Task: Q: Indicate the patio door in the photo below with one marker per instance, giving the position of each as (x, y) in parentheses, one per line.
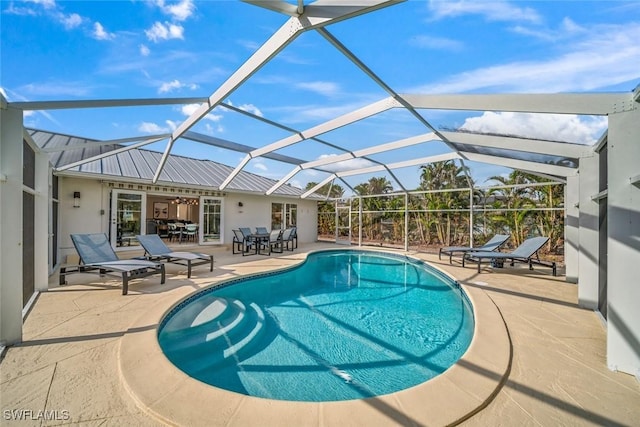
(128, 213)
(211, 220)
(343, 224)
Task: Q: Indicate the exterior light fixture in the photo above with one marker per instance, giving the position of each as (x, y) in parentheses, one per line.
(76, 199)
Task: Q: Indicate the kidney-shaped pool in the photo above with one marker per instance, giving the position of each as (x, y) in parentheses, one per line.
(345, 324)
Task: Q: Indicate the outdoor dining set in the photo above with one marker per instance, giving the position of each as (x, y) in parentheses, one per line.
(263, 241)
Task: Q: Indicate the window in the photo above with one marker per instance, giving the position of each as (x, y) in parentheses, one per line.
(283, 215)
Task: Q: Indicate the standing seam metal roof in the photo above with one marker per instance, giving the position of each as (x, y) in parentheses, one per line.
(140, 164)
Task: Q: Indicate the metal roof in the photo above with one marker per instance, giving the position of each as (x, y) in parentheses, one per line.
(140, 164)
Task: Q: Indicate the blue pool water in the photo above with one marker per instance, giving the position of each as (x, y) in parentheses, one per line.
(343, 325)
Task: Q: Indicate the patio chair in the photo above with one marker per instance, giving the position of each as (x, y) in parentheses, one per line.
(190, 232)
(174, 231)
(156, 250)
(288, 237)
(96, 253)
(492, 245)
(275, 241)
(262, 230)
(241, 242)
(527, 252)
(294, 238)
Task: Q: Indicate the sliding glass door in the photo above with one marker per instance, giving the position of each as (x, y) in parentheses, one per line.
(211, 229)
(128, 211)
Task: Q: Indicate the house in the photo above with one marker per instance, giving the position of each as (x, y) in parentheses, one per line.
(114, 194)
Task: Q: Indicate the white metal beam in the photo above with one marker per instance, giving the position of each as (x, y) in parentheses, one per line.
(520, 144)
(278, 41)
(155, 138)
(284, 180)
(276, 6)
(316, 15)
(557, 103)
(107, 154)
(403, 164)
(330, 125)
(237, 147)
(103, 103)
(319, 185)
(338, 122)
(407, 142)
(523, 165)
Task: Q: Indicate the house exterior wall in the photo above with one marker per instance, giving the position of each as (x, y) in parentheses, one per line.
(93, 214)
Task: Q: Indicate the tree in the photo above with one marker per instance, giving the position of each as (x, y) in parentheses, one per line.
(440, 176)
(374, 207)
(516, 200)
(335, 191)
(326, 210)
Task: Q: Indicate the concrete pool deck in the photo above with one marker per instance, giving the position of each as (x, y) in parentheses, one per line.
(89, 358)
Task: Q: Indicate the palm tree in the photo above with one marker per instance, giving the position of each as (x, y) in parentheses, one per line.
(371, 221)
(438, 176)
(516, 201)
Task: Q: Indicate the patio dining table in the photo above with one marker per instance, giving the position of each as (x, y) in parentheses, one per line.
(259, 238)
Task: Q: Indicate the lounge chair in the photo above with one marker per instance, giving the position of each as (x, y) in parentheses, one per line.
(156, 250)
(96, 253)
(492, 245)
(523, 253)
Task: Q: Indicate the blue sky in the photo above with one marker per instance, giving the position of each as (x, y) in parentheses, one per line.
(81, 50)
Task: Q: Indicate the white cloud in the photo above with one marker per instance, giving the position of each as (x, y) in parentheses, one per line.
(144, 50)
(166, 31)
(494, 10)
(189, 109)
(172, 125)
(178, 11)
(59, 89)
(148, 127)
(259, 166)
(169, 86)
(99, 32)
(70, 21)
(251, 109)
(208, 129)
(553, 127)
(323, 88)
(612, 48)
(47, 4)
(438, 43)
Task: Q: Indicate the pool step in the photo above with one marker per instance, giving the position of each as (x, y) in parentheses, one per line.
(233, 332)
(194, 332)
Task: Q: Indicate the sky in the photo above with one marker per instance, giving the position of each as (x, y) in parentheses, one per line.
(85, 50)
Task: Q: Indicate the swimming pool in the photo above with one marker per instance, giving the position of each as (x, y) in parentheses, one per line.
(343, 325)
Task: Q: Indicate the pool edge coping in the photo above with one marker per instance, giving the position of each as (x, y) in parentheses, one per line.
(163, 391)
